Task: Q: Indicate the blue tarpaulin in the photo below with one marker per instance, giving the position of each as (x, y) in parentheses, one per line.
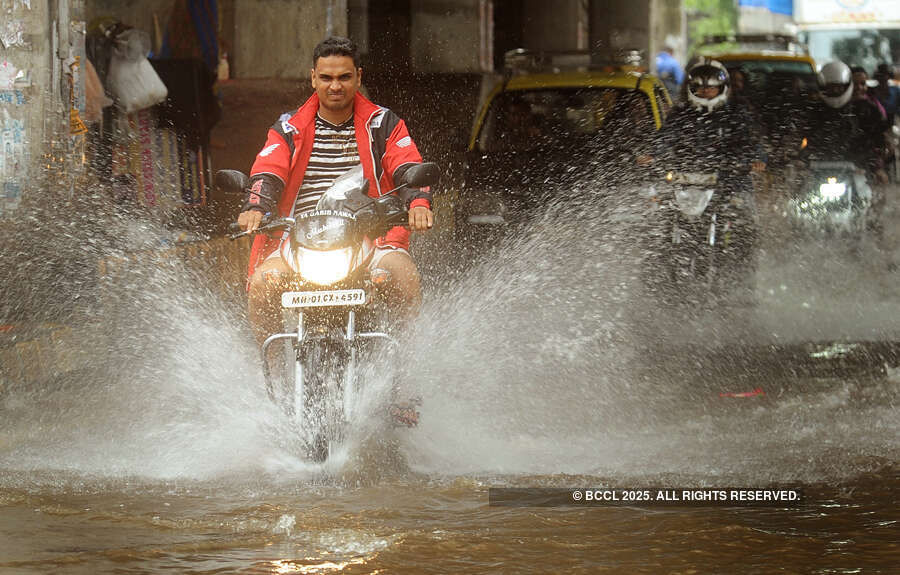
(774, 6)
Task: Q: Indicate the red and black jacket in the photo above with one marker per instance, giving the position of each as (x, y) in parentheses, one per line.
(276, 176)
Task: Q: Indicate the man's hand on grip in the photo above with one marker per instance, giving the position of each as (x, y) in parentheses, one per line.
(420, 219)
(250, 220)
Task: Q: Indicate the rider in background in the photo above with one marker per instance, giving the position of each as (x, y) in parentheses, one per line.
(861, 90)
(707, 132)
(841, 128)
(888, 94)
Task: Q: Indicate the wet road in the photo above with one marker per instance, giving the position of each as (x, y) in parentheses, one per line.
(166, 457)
(417, 501)
(422, 525)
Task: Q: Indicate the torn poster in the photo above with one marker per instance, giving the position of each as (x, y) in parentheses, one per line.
(12, 34)
(8, 74)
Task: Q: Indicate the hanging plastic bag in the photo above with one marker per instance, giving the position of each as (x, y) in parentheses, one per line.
(132, 80)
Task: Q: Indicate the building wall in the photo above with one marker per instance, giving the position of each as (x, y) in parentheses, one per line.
(151, 16)
(555, 26)
(619, 26)
(275, 38)
(450, 36)
(27, 118)
(666, 30)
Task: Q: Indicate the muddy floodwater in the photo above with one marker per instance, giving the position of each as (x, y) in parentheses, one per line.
(546, 368)
(421, 524)
(417, 501)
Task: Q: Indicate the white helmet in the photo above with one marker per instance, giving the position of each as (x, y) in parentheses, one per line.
(836, 84)
(706, 73)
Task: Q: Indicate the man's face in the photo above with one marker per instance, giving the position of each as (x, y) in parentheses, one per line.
(336, 81)
(706, 92)
(859, 85)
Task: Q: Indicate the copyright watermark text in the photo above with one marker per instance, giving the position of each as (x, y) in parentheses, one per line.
(558, 497)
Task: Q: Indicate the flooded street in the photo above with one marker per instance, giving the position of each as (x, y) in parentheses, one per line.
(166, 456)
(371, 514)
(583, 248)
(421, 524)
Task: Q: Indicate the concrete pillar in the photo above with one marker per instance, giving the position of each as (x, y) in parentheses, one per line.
(448, 36)
(38, 144)
(556, 26)
(275, 38)
(665, 30)
(618, 25)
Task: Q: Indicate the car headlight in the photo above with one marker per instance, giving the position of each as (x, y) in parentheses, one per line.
(326, 267)
(832, 190)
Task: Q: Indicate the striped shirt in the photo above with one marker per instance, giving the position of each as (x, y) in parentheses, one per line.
(334, 152)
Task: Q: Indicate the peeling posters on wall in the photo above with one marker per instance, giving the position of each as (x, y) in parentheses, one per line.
(8, 74)
(13, 160)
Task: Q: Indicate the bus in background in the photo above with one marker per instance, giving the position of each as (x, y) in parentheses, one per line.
(858, 32)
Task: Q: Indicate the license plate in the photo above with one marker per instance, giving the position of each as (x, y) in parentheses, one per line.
(323, 298)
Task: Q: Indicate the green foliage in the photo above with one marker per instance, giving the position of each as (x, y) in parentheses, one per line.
(709, 17)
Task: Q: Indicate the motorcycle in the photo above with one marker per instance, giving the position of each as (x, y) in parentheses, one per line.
(828, 199)
(333, 316)
(703, 239)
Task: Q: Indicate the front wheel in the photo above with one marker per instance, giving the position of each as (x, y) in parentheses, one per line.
(320, 367)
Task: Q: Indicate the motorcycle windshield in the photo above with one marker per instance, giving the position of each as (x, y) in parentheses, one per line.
(325, 230)
(692, 200)
(346, 192)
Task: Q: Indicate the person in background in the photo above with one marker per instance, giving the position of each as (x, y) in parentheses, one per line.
(873, 122)
(669, 71)
(847, 127)
(886, 93)
(861, 90)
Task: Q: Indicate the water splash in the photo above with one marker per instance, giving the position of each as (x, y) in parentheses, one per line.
(546, 359)
(550, 358)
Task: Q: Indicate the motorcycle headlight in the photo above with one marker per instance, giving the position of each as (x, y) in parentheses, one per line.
(832, 189)
(326, 267)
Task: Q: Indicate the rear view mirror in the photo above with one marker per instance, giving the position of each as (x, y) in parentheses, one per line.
(231, 181)
(422, 175)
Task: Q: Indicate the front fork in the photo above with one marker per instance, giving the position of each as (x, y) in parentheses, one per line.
(301, 336)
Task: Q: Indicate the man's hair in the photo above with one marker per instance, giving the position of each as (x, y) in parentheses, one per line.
(858, 70)
(336, 46)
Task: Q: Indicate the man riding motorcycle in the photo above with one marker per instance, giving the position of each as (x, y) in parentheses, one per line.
(709, 131)
(840, 129)
(306, 150)
(710, 134)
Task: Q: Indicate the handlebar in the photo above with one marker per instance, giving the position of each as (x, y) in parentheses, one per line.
(399, 219)
(264, 227)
